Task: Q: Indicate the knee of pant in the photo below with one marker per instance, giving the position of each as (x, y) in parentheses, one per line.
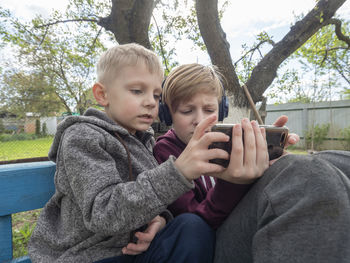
(194, 223)
(196, 234)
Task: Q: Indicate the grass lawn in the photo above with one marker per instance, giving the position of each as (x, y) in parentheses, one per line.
(12, 150)
(22, 227)
(297, 151)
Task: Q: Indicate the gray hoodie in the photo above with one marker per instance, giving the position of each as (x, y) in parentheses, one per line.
(96, 206)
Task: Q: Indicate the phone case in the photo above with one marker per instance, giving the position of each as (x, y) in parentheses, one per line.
(276, 138)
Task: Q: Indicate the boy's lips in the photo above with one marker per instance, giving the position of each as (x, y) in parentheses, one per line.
(147, 117)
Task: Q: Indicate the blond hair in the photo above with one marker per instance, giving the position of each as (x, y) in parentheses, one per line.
(118, 57)
(187, 80)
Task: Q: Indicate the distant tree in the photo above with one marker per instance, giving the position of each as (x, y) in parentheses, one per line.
(2, 126)
(328, 53)
(21, 93)
(66, 57)
(130, 21)
(37, 127)
(44, 129)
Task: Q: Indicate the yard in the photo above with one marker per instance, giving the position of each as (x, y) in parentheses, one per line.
(11, 150)
(24, 223)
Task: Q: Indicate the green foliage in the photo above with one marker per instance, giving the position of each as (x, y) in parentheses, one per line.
(23, 226)
(23, 92)
(345, 134)
(17, 137)
(2, 126)
(317, 135)
(62, 54)
(37, 127)
(326, 53)
(251, 56)
(174, 21)
(44, 130)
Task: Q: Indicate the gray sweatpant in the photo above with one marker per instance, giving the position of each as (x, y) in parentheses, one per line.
(299, 211)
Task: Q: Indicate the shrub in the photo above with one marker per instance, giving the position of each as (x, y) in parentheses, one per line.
(320, 134)
(345, 134)
(37, 127)
(2, 126)
(44, 130)
(17, 137)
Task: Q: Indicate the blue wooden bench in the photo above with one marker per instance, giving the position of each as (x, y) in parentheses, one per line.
(23, 187)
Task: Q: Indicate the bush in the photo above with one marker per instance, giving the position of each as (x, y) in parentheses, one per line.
(345, 134)
(320, 134)
(44, 130)
(37, 127)
(17, 137)
(2, 126)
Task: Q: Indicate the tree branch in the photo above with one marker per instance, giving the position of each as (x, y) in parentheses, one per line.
(338, 31)
(266, 70)
(67, 21)
(161, 44)
(252, 50)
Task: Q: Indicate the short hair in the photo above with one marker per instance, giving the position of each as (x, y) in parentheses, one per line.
(120, 56)
(189, 79)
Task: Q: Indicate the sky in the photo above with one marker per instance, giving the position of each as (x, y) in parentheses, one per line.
(242, 21)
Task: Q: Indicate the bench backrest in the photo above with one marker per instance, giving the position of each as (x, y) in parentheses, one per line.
(23, 187)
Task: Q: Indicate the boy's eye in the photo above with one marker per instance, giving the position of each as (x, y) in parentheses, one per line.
(156, 97)
(136, 91)
(186, 111)
(210, 110)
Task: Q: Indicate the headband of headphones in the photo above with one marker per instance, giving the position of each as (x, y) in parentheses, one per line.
(165, 116)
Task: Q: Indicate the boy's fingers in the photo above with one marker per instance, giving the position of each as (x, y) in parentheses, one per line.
(281, 121)
(134, 249)
(203, 126)
(211, 137)
(249, 143)
(237, 147)
(145, 237)
(292, 139)
(212, 169)
(217, 153)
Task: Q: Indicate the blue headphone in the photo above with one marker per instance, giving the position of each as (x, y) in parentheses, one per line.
(165, 116)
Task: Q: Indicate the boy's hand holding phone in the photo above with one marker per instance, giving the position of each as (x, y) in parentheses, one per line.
(248, 159)
(194, 160)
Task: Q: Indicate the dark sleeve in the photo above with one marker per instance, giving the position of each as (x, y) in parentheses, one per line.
(214, 205)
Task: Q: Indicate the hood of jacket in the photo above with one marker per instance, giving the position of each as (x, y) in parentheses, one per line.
(98, 118)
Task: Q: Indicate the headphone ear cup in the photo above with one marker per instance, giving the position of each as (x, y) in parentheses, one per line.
(164, 114)
(223, 108)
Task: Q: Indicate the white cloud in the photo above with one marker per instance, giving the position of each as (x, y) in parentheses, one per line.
(29, 9)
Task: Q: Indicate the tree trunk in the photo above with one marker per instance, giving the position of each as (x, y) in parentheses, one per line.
(129, 21)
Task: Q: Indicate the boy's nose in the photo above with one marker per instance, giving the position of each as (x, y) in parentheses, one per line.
(150, 101)
(198, 118)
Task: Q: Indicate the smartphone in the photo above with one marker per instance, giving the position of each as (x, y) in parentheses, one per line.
(276, 138)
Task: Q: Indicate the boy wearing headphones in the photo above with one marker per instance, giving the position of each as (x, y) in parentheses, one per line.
(191, 93)
(299, 211)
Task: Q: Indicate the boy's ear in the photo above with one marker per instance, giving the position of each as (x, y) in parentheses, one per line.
(100, 94)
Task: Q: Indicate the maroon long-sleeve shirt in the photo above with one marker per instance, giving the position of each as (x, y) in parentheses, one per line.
(212, 203)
